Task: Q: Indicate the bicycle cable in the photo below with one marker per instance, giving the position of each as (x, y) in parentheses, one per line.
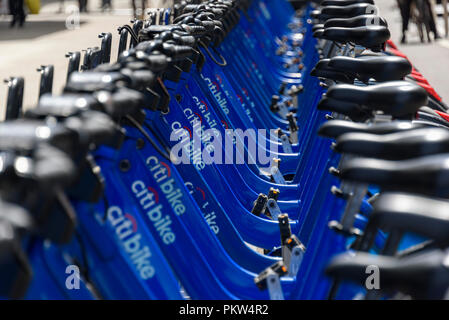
(224, 63)
(137, 125)
(130, 31)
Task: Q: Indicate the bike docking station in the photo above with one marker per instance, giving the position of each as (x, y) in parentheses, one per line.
(234, 150)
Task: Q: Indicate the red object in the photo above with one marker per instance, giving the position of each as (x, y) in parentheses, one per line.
(391, 44)
(443, 115)
(420, 79)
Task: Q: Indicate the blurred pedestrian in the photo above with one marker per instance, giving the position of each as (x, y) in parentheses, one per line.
(404, 8)
(426, 17)
(106, 5)
(2, 9)
(82, 5)
(144, 5)
(61, 6)
(17, 12)
(433, 19)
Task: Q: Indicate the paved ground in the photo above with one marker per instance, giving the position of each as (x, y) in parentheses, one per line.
(45, 39)
(431, 59)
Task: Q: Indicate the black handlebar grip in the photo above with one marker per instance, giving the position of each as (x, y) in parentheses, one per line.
(196, 31)
(177, 52)
(150, 46)
(92, 81)
(157, 62)
(190, 8)
(140, 78)
(124, 102)
(184, 39)
(208, 24)
(52, 166)
(150, 32)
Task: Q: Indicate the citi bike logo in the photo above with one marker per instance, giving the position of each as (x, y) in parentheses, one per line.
(243, 103)
(200, 195)
(195, 120)
(205, 113)
(214, 88)
(201, 146)
(126, 230)
(149, 199)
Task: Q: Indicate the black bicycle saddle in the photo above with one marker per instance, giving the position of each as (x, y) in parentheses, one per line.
(395, 146)
(318, 33)
(315, 14)
(386, 68)
(91, 81)
(24, 134)
(79, 113)
(348, 11)
(423, 276)
(428, 217)
(323, 70)
(335, 128)
(426, 175)
(44, 165)
(372, 37)
(317, 27)
(396, 98)
(349, 109)
(357, 21)
(39, 178)
(344, 2)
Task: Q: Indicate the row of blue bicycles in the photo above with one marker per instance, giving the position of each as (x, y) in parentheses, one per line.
(237, 149)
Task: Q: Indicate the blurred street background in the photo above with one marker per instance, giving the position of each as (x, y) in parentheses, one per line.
(431, 59)
(45, 39)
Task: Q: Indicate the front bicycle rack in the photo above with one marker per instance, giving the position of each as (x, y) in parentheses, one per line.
(46, 83)
(74, 62)
(15, 97)
(106, 43)
(93, 57)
